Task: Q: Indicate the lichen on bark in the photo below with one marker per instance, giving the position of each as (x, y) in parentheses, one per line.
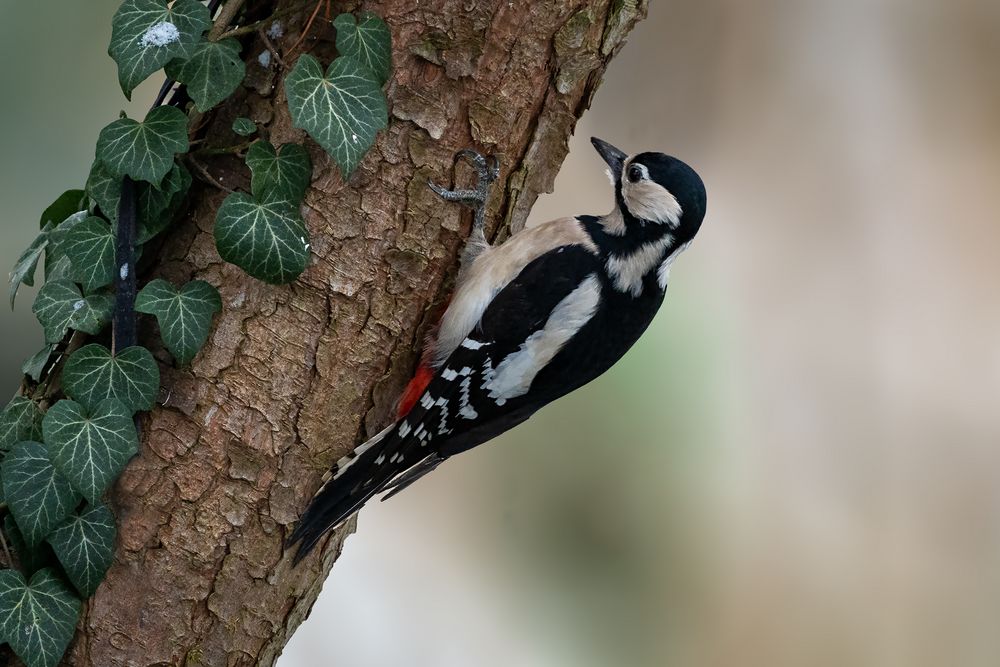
(293, 376)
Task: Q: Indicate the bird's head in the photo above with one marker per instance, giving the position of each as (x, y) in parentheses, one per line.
(653, 188)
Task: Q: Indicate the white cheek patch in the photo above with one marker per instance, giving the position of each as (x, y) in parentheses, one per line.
(648, 200)
(514, 375)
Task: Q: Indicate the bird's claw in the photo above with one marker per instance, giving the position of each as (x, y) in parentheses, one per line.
(487, 171)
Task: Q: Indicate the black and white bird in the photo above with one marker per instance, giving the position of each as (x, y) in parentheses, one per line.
(530, 320)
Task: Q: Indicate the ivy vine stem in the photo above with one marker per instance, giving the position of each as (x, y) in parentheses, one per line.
(124, 322)
(226, 16)
(257, 25)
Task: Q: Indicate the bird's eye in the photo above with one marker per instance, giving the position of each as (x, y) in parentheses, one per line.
(636, 173)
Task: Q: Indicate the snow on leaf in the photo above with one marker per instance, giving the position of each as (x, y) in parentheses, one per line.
(147, 34)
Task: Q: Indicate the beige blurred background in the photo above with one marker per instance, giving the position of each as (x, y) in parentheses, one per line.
(799, 465)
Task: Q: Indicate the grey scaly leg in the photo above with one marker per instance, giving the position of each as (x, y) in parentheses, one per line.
(487, 171)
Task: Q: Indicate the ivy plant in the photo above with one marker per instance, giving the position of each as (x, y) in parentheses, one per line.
(72, 430)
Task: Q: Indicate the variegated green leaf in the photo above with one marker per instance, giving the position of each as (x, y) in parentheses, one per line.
(21, 420)
(90, 247)
(105, 189)
(285, 173)
(156, 207)
(147, 34)
(68, 203)
(38, 496)
(267, 239)
(53, 256)
(92, 375)
(24, 269)
(85, 545)
(212, 72)
(368, 41)
(59, 307)
(37, 619)
(35, 365)
(145, 151)
(244, 126)
(32, 558)
(342, 109)
(90, 447)
(184, 316)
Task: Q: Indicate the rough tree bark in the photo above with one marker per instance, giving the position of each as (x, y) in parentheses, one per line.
(293, 376)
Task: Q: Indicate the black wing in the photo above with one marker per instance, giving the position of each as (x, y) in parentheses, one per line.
(456, 412)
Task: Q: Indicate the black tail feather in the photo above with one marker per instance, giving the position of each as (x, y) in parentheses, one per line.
(391, 463)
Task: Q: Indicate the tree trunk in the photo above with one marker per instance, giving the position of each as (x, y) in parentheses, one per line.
(294, 376)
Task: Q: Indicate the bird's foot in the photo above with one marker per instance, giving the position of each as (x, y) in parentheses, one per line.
(487, 172)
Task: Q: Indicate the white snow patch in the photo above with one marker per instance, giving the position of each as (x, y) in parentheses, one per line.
(123, 272)
(160, 34)
(79, 304)
(276, 31)
(264, 59)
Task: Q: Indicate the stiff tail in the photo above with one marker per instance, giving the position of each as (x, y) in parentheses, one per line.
(390, 461)
(377, 466)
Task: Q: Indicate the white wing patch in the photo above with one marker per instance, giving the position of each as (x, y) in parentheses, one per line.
(493, 270)
(514, 375)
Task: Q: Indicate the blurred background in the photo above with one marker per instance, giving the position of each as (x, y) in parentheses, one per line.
(800, 462)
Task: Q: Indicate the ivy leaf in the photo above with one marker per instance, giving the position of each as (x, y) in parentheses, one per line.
(157, 208)
(341, 110)
(39, 619)
(21, 420)
(32, 558)
(105, 189)
(212, 72)
(145, 151)
(34, 366)
(184, 316)
(60, 306)
(286, 172)
(147, 34)
(267, 239)
(53, 256)
(92, 375)
(66, 205)
(90, 447)
(90, 247)
(244, 126)
(38, 496)
(85, 545)
(368, 41)
(24, 269)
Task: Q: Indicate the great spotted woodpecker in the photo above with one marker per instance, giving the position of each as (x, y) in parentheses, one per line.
(531, 320)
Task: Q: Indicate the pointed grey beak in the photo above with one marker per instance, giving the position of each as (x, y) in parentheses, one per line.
(614, 157)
